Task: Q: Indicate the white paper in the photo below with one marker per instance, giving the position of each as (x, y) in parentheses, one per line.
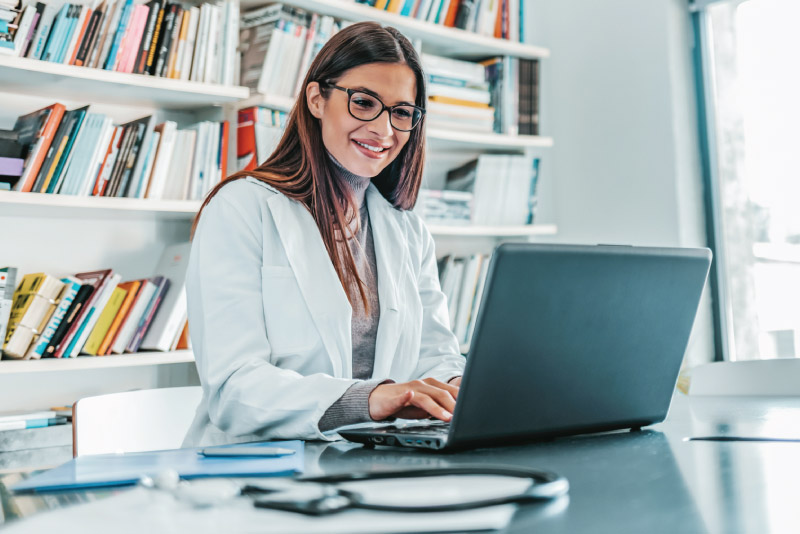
(142, 510)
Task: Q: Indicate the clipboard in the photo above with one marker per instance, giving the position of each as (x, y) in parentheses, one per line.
(109, 470)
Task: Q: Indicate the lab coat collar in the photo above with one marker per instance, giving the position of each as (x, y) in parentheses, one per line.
(391, 246)
(322, 290)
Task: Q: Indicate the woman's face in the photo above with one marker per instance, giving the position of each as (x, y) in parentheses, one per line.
(345, 136)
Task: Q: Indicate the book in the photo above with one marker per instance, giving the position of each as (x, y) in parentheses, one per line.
(34, 301)
(10, 417)
(124, 21)
(142, 129)
(59, 149)
(90, 36)
(36, 131)
(73, 312)
(8, 278)
(130, 323)
(98, 280)
(131, 290)
(152, 51)
(108, 160)
(104, 321)
(147, 37)
(31, 423)
(167, 324)
(166, 147)
(92, 316)
(162, 285)
(63, 303)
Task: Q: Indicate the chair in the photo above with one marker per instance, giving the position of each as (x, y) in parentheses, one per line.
(133, 421)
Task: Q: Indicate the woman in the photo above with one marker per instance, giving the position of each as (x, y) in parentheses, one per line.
(313, 293)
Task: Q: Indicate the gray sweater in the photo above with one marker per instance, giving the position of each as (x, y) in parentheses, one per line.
(353, 405)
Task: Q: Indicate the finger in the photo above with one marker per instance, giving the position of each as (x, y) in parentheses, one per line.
(431, 406)
(450, 388)
(441, 396)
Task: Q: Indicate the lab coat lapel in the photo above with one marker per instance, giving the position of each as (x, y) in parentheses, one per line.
(390, 255)
(316, 276)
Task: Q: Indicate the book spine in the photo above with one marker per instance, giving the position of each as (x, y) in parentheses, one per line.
(88, 39)
(147, 318)
(67, 297)
(164, 39)
(147, 38)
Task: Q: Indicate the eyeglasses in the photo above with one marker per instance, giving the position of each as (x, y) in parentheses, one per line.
(366, 107)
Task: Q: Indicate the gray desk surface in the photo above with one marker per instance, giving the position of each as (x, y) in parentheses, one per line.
(649, 481)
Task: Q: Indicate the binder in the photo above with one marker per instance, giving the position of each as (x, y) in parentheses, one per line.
(108, 470)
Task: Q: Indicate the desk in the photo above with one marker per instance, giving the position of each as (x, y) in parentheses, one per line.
(649, 481)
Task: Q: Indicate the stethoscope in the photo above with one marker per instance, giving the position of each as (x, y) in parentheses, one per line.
(544, 486)
(321, 496)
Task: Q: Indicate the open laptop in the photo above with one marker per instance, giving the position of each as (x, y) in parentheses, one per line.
(569, 339)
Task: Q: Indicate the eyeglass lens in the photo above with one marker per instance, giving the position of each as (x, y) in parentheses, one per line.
(366, 107)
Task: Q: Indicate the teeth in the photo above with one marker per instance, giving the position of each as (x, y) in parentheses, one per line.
(371, 148)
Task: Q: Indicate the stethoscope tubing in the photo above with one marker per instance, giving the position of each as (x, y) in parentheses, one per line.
(545, 486)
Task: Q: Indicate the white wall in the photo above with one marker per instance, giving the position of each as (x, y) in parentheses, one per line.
(618, 99)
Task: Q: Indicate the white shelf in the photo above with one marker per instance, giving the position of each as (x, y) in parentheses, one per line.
(485, 141)
(493, 231)
(42, 78)
(437, 39)
(83, 363)
(15, 204)
(282, 103)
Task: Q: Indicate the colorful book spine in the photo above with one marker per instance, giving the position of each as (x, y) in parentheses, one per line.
(162, 286)
(71, 287)
(104, 321)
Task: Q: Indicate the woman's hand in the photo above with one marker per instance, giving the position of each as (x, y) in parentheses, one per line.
(417, 399)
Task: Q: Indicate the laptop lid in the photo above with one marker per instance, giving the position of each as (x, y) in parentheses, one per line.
(572, 339)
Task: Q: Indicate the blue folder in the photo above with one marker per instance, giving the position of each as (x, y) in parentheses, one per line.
(106, 470)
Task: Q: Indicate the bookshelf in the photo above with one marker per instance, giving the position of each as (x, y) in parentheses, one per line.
(64, 234)
(13, 203)
(437, 39)
(68, 82)
(83, 363)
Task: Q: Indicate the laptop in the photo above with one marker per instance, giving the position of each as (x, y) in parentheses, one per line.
(569, 339)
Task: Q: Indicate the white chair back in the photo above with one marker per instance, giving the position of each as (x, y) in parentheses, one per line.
(133, 421)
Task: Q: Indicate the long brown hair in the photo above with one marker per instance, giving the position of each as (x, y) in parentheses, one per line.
(297, 169)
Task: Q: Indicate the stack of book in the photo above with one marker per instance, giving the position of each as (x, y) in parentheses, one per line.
(8, 278)
(257, 134)
(22, 420)
(278, 43)
(8, 28)
(502, 190)
(462, 281)
(11, 161)
(160, 38)
(494, 18)
(81, 153)
(445, 207)
(514, 86)
(93, 313)
(459, 96)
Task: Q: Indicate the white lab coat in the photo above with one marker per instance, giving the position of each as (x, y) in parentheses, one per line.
(270, 321)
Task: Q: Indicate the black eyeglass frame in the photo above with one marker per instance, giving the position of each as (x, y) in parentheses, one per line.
(384, 107)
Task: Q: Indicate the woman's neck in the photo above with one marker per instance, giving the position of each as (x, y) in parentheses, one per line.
(358, 184)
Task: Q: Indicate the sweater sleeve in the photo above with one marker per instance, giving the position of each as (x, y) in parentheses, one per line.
(352, 407)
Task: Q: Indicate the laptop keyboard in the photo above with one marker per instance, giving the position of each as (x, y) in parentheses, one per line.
(436, 427)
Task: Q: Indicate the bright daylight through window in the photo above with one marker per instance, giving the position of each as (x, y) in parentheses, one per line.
(754, 83)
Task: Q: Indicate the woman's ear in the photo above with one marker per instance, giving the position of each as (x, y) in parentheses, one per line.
(314, 99)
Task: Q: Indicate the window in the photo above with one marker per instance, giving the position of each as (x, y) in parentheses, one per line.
(751, 85)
